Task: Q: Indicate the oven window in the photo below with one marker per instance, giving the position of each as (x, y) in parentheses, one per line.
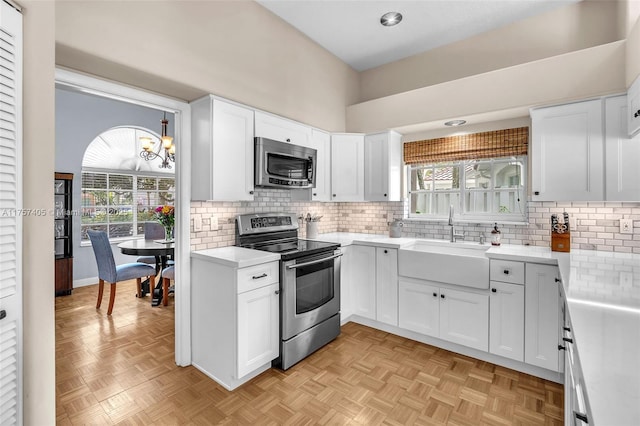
(287, 167)
(314, 285)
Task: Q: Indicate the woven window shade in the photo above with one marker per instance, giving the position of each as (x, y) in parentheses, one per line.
(494, 144)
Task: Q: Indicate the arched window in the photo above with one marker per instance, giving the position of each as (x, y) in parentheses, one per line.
(120, 190)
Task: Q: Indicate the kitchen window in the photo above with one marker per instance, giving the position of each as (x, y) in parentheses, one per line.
(480, 190)
(119, 203)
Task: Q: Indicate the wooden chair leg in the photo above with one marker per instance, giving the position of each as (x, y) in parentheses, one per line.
(112, 298)
(100, 291)
(139, 287)
(152, 285)
(165, 291)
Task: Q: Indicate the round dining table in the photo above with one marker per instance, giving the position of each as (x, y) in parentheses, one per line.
(158, 248)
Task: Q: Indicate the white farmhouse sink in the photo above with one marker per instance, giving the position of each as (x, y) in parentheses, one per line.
(462, 264)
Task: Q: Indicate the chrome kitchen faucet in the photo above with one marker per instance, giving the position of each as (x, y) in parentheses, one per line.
(452, 235)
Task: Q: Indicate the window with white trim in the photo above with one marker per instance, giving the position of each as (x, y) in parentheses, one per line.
(486, 190)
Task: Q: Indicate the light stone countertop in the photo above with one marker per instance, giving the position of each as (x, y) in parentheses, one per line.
(236, 257)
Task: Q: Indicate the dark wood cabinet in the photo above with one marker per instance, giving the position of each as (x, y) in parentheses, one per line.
(63, 221)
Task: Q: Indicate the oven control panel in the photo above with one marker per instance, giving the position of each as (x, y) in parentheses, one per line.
(266, 222)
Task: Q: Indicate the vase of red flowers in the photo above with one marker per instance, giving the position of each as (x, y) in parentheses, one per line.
(166, 216)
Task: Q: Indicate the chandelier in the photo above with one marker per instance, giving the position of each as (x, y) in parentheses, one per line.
(166, 150)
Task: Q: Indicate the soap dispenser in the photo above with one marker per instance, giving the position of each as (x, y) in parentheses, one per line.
(495, 235)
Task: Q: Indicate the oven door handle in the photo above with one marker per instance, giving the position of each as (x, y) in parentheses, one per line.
(313, 262)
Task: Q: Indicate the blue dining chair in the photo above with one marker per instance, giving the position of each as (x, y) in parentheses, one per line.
(108, 271)
(152, 231)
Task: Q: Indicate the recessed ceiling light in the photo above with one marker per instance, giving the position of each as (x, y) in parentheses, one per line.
(390, 19)
(455, 123)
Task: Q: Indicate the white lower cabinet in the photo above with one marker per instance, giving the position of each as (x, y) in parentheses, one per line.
(542, 316)
(235, 331)
(387, 285)
(362, 284)
(506, 320)
(457, 316)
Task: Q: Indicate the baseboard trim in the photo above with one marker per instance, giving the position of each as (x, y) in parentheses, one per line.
(85, 282)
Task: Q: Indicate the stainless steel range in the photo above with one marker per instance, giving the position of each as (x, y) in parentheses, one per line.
(309, 282)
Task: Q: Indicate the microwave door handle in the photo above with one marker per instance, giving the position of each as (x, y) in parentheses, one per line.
(311, 167)
(313, 262)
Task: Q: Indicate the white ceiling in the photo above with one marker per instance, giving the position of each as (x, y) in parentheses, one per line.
(351, 29)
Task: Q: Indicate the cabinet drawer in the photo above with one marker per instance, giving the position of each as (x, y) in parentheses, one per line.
(257, 276)
(506, 271)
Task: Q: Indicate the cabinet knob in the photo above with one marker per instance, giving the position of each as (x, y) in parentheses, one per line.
(315, 194)
(288, 140)
(277, 291)
(435, 294)
(386, 251)
(442, 296)
(536, 192)
(385, 195)
(507, 271)
(636, 114)
(493, 290)
(3, 314)
(557, 280)
(251, 192)
(561, 348)
(334, 195)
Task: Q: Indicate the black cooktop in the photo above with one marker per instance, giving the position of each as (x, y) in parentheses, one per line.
(298, 248)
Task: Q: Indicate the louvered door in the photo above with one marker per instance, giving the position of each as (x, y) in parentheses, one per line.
(10, 215)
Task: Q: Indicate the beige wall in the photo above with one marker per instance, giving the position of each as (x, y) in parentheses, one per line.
(574, 27)
(577, 75)
(633, 50)
(38, 269)
(186, 49)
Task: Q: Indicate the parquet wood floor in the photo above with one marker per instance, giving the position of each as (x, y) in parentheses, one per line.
(121, 370)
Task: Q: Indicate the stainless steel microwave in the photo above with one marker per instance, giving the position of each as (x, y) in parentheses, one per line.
(284, 165)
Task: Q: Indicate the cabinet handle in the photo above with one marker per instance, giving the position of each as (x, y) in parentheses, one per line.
(257, 277)
(385, 252)
(581, 416)
(558, 280)
(636, 114)
(277, 291)
(442, 295)
(315, 194)
(507, 271)
(566, 328)
(435, 294)
(567, 339)
(385, 195)
(288, 140)
(334, 195)
(493, 290)
(561, 348)
(536, 192)
(3, 314)
(251, 192)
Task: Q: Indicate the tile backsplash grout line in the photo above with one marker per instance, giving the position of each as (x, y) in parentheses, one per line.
(597, 223)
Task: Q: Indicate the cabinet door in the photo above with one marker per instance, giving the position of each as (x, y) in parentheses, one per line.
(567, 155)
(387, 285)
(542, 316)
(506, 320)
(347, 167)
(464, 318)
(346, 282)
(419, 307)
(232, 152)
(633, 108)
(283, 130)
(622, 153)
(321, 142)
(258, 328)
(363, 281)
(382, 167)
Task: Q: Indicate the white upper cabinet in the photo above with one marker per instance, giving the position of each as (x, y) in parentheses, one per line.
(567, 152)
(382, 166)
(347, 167)
(283, 130)
(633, 108)
(321, 142)
(622, 153)
(222, 151)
